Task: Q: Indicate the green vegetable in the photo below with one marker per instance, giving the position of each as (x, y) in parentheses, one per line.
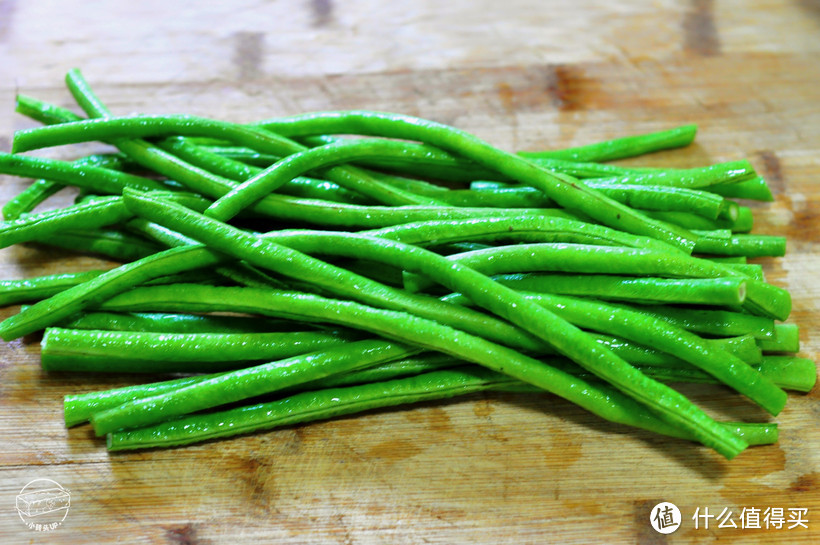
(561, 189)
(788, 372)
(754, 189)
(786, 338)
(66, 303)
(234, 170)
(246, 383)
(621, 148)
(413, 330)
(158, 322)
(40, 287)
(711, 178)
(144, 352)
(761, 298)
(82, 174)
(106, 242)
(725, 291)
(329, 403)
(614, 308)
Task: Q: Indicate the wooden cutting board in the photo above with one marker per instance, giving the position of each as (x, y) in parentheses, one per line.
(491, 468)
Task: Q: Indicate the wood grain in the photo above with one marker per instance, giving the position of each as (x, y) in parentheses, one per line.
(491, 468)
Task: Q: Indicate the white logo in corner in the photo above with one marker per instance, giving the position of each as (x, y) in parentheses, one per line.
(665, 517)
(43, 505)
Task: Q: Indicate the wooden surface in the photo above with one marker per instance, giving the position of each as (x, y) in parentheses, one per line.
(491, 468)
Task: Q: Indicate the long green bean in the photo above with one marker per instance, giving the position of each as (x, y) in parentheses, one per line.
(625, 147)
(492, 229)
(438, 165)
(502, 301)
(356, 216)
(53, 311)
(70, 301)
(579, 258)
(565, 191)
(713, 322)
(693, 291)
(644, 197)
(328, 403)
(793, 373)
(29, 227)
(98, 179)
(284, 260)
(246, 383)
(741, 223)
(29, 198)
(648, 330)
(106, 242)
(755, 189)
(292, 166)
(45, 113)
(237, 171)
(585, 169)
(158, 322)
(761, 298)
(414, 330)
(40, 190)
(373, 217)
(743, 347)
(92, 213)
(743, 245)
(143, 352)
(40, 287)
(157, 159)
(709, 178)
(536, 320)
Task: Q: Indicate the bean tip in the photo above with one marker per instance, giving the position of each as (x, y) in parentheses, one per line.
(99, 424)
(131, 195)
(741, 292)
(776, 402)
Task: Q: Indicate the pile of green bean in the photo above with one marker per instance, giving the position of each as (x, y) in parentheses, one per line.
(283, 271)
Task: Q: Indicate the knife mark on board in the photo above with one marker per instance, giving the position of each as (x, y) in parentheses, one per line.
(248, 54)
(700, 35)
